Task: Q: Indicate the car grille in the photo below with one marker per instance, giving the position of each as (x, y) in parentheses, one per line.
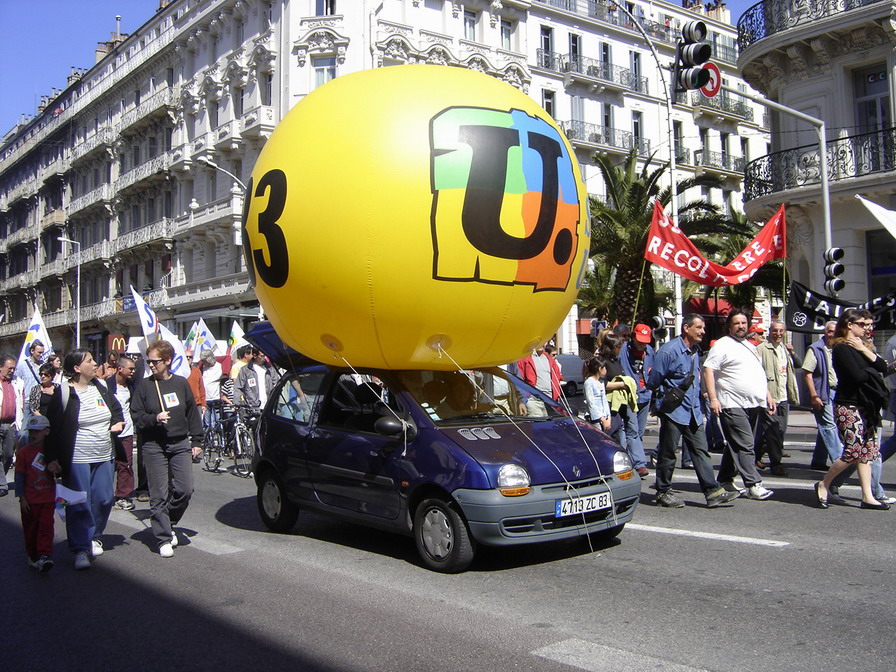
(546, 523)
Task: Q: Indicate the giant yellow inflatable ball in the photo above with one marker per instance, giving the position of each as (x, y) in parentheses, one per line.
(408, 216)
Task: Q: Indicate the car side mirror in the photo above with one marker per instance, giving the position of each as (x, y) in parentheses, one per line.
(389, 425)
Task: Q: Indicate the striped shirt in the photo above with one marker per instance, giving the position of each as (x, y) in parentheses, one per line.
(93, 443)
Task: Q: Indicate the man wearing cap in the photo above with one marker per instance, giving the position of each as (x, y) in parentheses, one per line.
(756, 334)
(637, 357)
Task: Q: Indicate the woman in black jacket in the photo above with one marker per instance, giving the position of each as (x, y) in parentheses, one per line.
(83, 415)
(167, 419)
(861, 394)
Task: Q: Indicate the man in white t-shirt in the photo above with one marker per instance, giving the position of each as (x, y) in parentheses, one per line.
(738, 393)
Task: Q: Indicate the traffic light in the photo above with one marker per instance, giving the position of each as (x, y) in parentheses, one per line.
(691, 53)
(833, 269)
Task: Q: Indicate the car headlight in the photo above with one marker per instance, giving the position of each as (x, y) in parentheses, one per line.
(513, 480)
(622, 466)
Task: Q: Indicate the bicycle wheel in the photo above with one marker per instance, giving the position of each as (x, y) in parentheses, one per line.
(213, 449)
(244, 451)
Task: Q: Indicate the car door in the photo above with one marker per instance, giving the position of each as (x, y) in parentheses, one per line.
(351, 466)
(286, 428)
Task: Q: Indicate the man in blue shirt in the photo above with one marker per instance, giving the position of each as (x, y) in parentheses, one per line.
(636, 358)
(675, 362)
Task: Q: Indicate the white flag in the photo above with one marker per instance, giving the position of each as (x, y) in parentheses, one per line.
(205, 340)
(887, 218)
(149, 323)
(36, 332)
(179, 365)
(236, 340)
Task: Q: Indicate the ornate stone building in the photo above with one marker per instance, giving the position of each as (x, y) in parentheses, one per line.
(141, 158)
(832, 60)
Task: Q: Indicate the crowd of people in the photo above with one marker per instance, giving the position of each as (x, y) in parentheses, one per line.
(111, 433)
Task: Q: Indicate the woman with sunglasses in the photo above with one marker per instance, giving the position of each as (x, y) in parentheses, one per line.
(857, 407)
(83, 415)
(167, 419)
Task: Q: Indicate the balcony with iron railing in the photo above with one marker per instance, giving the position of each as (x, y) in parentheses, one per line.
(725, 105)
(594, 73)
(159, 101)
(99, 140)
(769, 17)
(586, 135)
(607, 12)
(157, 164)
(100, 252)
(718, 161)
(52, 218)
(102, 194)
(21, 235)
(158, 231)
(848, 158)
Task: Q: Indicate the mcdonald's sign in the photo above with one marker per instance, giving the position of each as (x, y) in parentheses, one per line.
(116, 342)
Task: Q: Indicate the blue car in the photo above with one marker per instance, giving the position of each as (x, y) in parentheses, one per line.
(456, 459)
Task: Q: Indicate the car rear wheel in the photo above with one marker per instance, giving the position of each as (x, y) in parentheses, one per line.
(277, 512)
(442, 537)
(571, 389)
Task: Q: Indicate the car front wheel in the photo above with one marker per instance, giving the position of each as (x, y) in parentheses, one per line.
(277, 512)
(442, 537)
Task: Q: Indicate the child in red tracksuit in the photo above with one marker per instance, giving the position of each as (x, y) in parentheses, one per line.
(36, 490)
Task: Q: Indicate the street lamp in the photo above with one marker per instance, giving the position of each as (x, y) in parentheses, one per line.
(63, 239)
(211, 164)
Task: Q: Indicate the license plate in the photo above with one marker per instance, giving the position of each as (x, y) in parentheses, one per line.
(576, 505)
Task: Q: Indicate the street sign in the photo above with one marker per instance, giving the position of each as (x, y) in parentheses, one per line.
(715, 80)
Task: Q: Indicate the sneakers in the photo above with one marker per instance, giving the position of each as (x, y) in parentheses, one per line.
(166, 550)
(759, 492)
(173, 538)
(82, 561)
(886, 500)
(125, 504)
(44, 564)
(669, 500)
(730, 487)
(719, 497)
(97, 548)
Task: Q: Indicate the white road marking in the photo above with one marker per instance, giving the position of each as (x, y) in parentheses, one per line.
(598, 658)
(707, 535)
(201, 542)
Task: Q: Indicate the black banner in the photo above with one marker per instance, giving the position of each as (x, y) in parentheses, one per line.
(807, 311)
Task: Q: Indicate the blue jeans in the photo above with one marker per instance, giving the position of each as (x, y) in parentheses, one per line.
(86, 522)
(828, 444)
(630, 437)
(643, 412)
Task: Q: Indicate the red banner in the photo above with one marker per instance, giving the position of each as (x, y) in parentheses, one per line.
(667, 246)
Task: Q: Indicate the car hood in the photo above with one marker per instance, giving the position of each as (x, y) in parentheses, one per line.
(550, 450)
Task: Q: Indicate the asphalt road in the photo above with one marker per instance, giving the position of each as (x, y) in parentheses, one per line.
(774, 585)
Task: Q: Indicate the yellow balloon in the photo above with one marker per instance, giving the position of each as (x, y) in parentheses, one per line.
(402, 213)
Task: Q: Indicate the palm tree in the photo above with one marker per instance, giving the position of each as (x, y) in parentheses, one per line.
(621, 222)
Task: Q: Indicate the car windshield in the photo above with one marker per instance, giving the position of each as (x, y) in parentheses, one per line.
(479, 394)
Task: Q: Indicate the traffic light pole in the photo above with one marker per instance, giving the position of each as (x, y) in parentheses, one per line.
(822, 152)
(673, 205)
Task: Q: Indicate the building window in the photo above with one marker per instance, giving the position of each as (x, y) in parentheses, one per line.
(506, 34)
(577, 106)
(470, 25)
(678, 135)
(324, 69)
(606, 53)
(153, 146)
(745, 150)
(635, 59)
(238, 94)
(608, 116)
(267, 88)
(135, 156)
(547, 39)
(212, 115)
(872, 95)
(324, 7)
(547, 101)
(637, 128)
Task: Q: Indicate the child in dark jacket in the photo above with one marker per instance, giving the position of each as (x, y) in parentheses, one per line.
(36, 490)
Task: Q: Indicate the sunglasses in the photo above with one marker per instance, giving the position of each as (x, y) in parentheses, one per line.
(155, 361)
(865, 325)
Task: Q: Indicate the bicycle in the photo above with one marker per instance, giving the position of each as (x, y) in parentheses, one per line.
(231, 438)
(242, 441)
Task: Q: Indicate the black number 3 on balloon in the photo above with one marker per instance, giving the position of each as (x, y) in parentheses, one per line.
(275, 271)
